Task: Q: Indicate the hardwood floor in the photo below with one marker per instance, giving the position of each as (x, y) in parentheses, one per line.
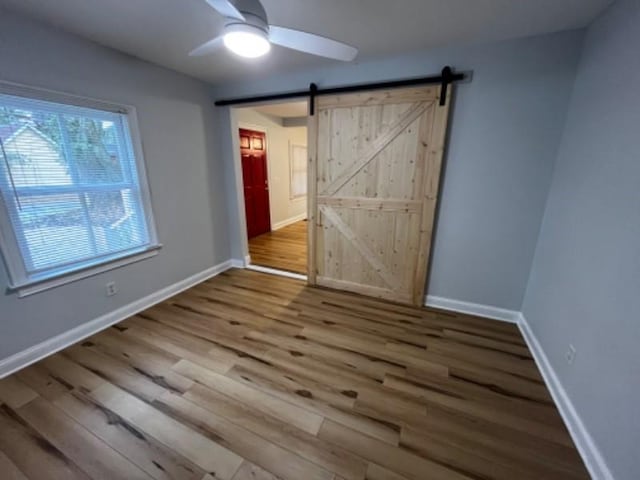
(284, 249)
(252, 376)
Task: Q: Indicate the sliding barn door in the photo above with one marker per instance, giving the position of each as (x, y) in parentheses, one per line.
(375, 161)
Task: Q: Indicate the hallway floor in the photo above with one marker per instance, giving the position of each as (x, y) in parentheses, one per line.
(284, 249)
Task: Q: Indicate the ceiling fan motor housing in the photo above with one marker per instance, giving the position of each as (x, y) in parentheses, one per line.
(253, 12)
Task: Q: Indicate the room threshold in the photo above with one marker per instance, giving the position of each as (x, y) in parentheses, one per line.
(277, 271)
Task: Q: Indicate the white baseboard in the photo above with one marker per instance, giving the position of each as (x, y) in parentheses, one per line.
(238, 263)
(289, 221)
(478, 309)
(584, 442)
(37, 352)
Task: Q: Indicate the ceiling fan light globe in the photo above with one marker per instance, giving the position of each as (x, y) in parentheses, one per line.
(247, 43)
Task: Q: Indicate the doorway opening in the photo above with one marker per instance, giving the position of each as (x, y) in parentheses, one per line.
(272, 146)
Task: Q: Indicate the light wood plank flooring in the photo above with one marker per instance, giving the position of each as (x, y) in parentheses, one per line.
(284, 249)
(251, 376)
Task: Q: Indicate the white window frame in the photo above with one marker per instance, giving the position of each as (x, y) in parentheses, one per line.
(19, 281)
(293, 146)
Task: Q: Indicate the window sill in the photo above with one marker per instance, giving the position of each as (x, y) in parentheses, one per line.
(30, 288)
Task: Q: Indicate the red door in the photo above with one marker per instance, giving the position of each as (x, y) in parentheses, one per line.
(256, 186)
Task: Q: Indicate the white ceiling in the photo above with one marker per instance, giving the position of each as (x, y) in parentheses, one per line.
(164, 31)
(284, 110)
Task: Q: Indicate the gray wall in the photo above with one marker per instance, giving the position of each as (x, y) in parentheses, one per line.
(506, 126)
(175, 116)
(585, 281)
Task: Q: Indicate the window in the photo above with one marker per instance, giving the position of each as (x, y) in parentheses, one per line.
(73, 191)
(298, 171)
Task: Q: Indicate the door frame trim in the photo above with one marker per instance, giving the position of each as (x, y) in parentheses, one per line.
(312, 193)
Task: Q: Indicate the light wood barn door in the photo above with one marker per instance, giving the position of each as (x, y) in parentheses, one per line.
(375, 162)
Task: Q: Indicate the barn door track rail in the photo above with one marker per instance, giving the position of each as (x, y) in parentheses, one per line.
(446, 78)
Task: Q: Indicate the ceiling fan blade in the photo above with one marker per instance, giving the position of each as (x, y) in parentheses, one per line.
(226, 9)
(310, 43)
(207, 48)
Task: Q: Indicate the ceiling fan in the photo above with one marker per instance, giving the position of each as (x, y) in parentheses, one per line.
(247, 33)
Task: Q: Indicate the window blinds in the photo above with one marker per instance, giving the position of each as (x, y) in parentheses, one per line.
(70, 187)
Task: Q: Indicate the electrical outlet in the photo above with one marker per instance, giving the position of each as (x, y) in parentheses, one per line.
(111, 289)
(571, 354)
